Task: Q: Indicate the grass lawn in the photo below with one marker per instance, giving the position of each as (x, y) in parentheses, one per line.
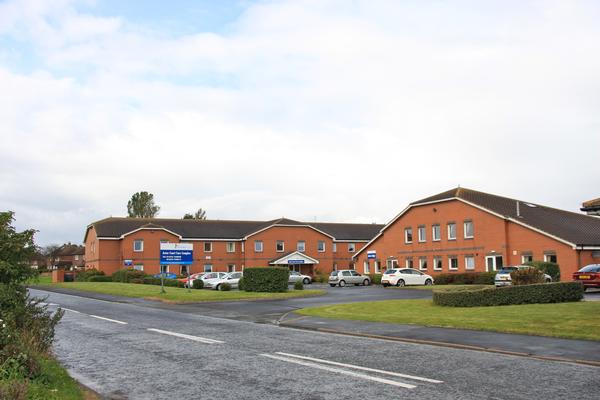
(580, 320)
(175, 295)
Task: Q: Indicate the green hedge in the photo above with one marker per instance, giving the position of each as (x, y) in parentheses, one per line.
(269, 279)
(298, 285)
(465, 278)
(375, 279)
(99, 278)
(527, 294)
(198, 284)
(127, 275)
(85, 276)
(549, 268)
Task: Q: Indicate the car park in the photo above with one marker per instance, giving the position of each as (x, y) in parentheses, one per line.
(297, 276)
(503, 277)
(589, 276)
(347, 277)
(405, 276)
(232, 278)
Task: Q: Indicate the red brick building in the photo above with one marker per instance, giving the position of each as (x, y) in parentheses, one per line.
(464, 230)
(115, 243)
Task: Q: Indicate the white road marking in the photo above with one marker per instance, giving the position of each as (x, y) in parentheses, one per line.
(379, 371)
(108, 319)
(68, 309)
(47, 304)
(341, 371)
(184, 336)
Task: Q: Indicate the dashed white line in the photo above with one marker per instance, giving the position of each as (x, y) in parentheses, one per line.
(379, 371)
(341, 371)
(184, 336)
(108, 319)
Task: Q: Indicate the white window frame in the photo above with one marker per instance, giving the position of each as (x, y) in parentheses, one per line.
(231, 268)
(367, 267)
(334, 247)
(141, 242)
(392, 263)
(450, 268)
(439, 233)
(467, 258)
(209, 245)
(243, 247)
(406, 230)
(421, 260)
(377, 267)
(138, 267)
(208, 268)
(450, 237)
(422, 233)
(435, 259)
(409, 262)
(282, 243)
(318, 245)
(523, 260)
(187, 269)
(547, 257)
(258, 246)
(301, 248)
(231, 247)
(465, 229)
(351, 247)
(164, 269)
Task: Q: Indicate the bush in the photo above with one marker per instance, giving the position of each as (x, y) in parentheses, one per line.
(86, 275)
(527, 276)
(320, 277)
(241, 284)
(298, 285)
(127, 275)
(198, 284)
(226, 287)
(150, 280)
(268, 279)
(100, 278)
(375, 279)
(465, 278)
(549, 268)
(527, 294)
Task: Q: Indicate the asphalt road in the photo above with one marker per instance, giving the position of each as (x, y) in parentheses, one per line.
(131, 351)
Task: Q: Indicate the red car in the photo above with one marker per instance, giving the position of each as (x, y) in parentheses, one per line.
(588, 275)
(192, 277)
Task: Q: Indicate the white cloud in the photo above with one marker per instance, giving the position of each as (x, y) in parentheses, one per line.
(302, 109)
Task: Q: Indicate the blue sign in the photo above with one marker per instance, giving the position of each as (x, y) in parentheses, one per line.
(176, 253)
(371, 254)
(128, 263)
(295, 261)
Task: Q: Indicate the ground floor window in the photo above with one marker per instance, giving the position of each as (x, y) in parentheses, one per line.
(422, 262)
(550, 258)
(525, 258)
(164, 269)
(391, 264)
(231, 268)
(138, 267)
(335, 266)
(207, 267)
(409, 262)
(367, 267)
(452, 262)
(437, 263)
(185, 270)
(469, 262)
(377, 267)
(351, 266)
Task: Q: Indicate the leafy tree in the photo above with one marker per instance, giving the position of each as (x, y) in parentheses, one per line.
(142, 205)
(50, 252)
(200, 214)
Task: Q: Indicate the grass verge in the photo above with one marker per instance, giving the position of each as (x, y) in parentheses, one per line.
(441, 287)
(580, 320)
(174, 295)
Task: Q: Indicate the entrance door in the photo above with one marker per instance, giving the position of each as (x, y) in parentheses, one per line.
(493, 263)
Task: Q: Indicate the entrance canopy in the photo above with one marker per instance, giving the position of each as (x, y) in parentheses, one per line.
(295, 258)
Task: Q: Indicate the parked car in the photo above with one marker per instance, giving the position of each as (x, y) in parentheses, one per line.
(210, 278)
(233, 278)
(297, 276)
(588, 275)
(503, 277)
(346, 277)
(167, 275)
(192, 277)
(405, 276)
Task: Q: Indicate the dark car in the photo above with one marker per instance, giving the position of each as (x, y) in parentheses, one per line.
(589, 276)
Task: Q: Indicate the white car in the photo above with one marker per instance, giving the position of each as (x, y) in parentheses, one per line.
(232, 278)
(209, 278)
(503, 277)
(297, 276)
(405, 276)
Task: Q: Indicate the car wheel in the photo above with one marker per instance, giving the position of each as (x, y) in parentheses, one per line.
(218, 287)
(366, 282)
(428, 282)
(548, 280)
(342, 283)
(306, 281)
(332, 284)
(400, 283)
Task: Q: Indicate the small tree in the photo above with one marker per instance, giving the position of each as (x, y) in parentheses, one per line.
(142, 205)
(200, 214)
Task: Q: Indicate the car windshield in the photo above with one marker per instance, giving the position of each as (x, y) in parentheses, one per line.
(507, 270)
(591, 268)
(334, 273)
(390, 271)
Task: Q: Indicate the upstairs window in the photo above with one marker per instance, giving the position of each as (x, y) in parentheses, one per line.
(422, 233)
(207, 247)
(407, 235)
(258, 246)
(301, 246)
(351, 247)
(279, 246)
(231, 247)
(451, 231)
(334, 247)
(138, 245)
(436, 233)
(320, 246)
(468, 229)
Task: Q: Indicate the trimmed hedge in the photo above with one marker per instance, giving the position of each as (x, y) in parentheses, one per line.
(375, 279)
(559, 292)
(549, 268)
(150, 280)
(99, 278)
(269, 279)
(127, 275)
(85, 276)
(466, 278)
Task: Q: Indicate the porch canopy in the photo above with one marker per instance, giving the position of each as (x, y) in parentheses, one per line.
(294, 258)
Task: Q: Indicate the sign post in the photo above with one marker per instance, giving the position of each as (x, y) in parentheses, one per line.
(175, 253)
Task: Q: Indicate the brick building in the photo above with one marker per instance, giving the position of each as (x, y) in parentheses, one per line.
(464, 230)
(115, 243)
(68, 256)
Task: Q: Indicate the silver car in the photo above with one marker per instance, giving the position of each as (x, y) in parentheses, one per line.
(297, 276)
(348, 276)
(503, 277)
(232, 278)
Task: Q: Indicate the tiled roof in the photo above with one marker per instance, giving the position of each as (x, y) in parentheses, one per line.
(70, 250)
(223, 229)
(572, 227)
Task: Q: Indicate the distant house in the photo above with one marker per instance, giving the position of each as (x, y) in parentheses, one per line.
(591, 207)
(69, 256)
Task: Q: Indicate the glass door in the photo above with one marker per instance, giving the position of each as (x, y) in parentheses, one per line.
(493, 263)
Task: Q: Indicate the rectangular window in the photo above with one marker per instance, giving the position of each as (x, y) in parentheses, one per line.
(138, 245)
(164, 269)
(525, 258)
(367, 267)
(351, 265)
(301, 246)
(407, 235)
(351, 247)
(437, 263)
(550, 258)
(231, 247)
(452, 263)
(422, 233)
(377, 267)
(469, 262)
(391, 264)
(334, 247)
(138, 267)
(409, 262)
(207, 247)
(207, 267)
(468, 229)
(164, 240)
(184, 269)
(335, 266)
(320, 246)
(436, 233)
(451, 231)
(230, 267)
(258, 246)
(279, 246)
(243, 246)
(423, 263)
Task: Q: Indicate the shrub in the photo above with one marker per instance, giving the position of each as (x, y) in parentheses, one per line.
(298, 285)
(527, 294)
(320, 276)
(198, 284)
(549, 268)
(172, 283)
(150, 280)
(466, 278)
(241, 284)
(268, 279)
(375, 279)
(100, 278)
(226, 287)
(86, 275)
(527, 276)
(127, 275)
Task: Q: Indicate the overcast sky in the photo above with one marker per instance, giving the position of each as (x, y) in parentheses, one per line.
(339, 111)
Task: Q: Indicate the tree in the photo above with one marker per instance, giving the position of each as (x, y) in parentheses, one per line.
(142, 205)
(16, 249)
(50, 252)
(200, 214)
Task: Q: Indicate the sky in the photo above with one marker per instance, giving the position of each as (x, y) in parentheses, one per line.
(328, 110)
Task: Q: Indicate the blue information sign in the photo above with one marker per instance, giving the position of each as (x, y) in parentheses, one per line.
(176, 253)
(371, 254)
(295, 261)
